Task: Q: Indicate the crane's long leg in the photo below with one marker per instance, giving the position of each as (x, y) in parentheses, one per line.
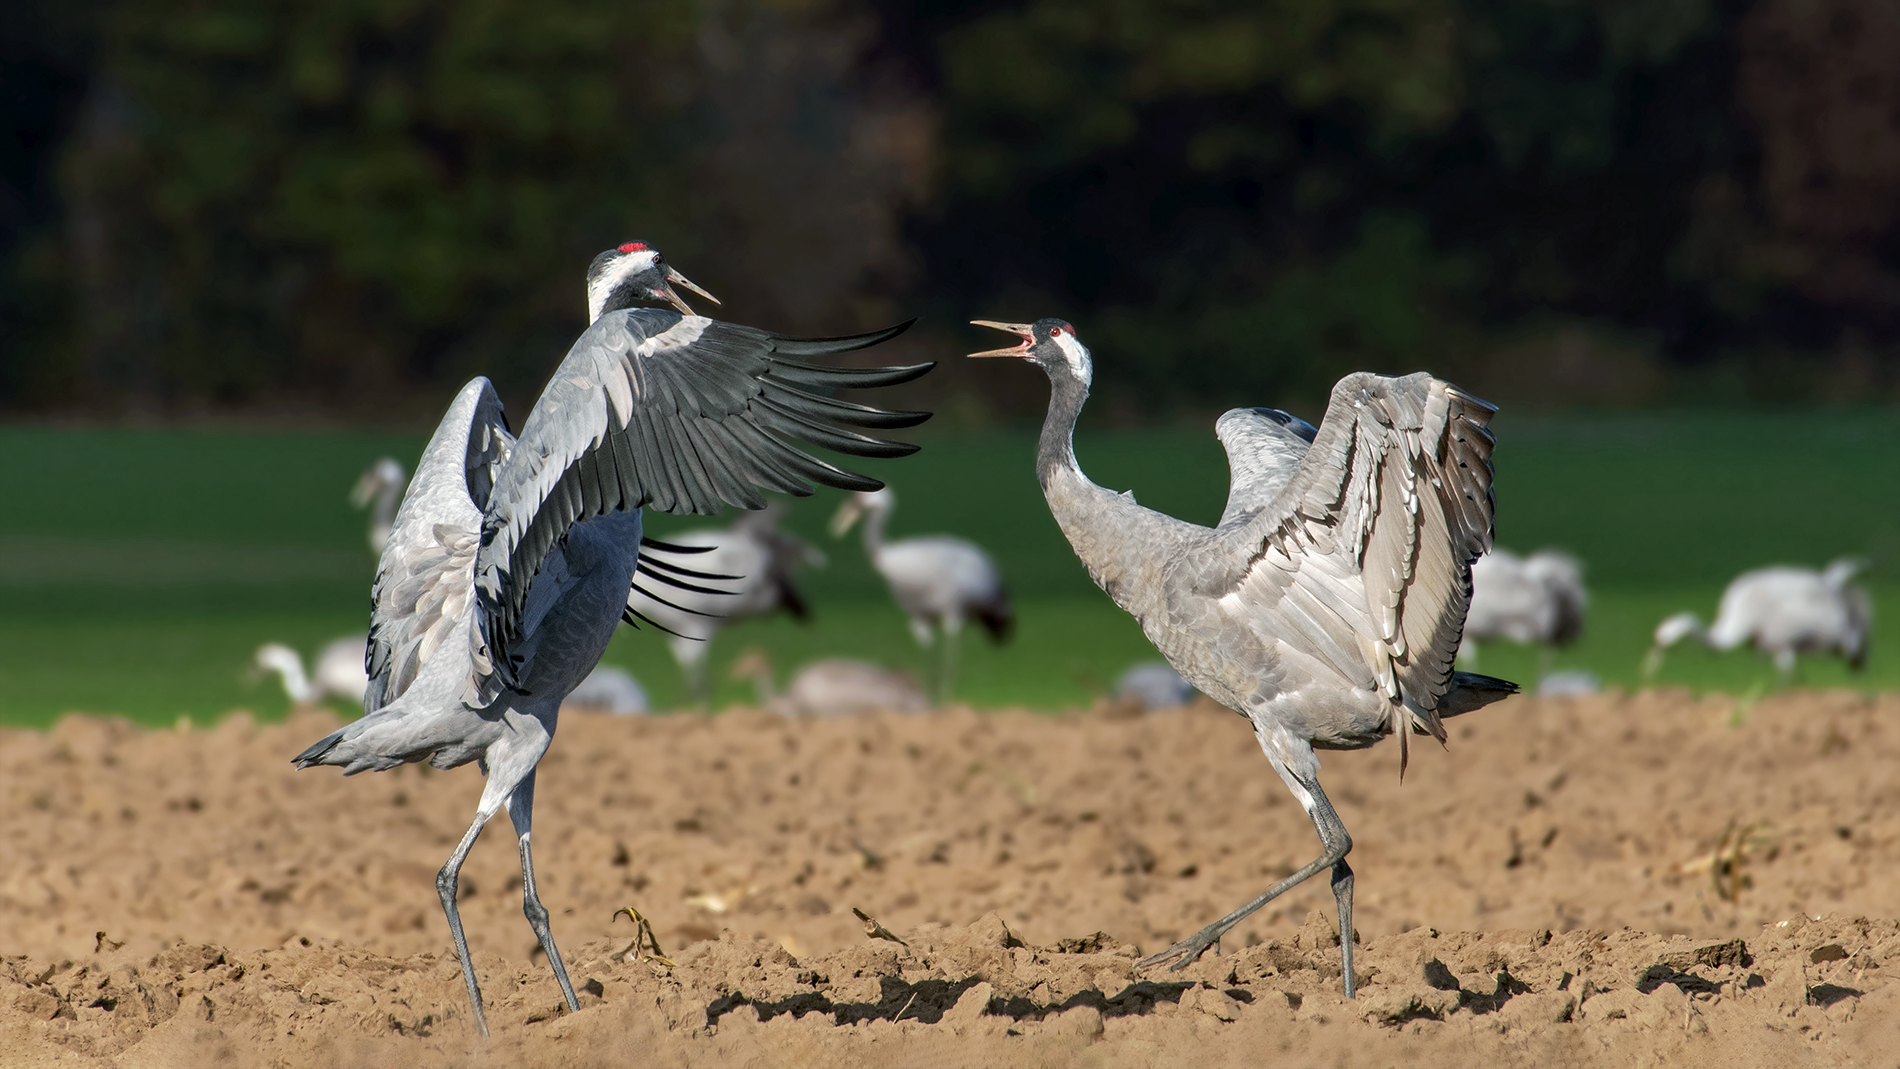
(952, 640)
(691, 656)
(521, 811)
(1332, 835)
(445, 885)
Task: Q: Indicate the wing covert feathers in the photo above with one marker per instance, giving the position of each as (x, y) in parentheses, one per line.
(652, 409)
(1397, 486)
(425, 581)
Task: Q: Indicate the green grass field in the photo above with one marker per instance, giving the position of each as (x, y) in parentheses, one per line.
(139, 569)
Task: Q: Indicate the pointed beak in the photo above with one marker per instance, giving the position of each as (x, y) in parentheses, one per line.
(1653, 662)
(672, 296)
(1020, 350)
(846, 515)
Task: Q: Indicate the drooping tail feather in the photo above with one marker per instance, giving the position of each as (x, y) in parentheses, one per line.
(1469, 691)
(997, 618)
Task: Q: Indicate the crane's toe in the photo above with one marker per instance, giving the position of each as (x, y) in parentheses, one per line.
(1186, 952)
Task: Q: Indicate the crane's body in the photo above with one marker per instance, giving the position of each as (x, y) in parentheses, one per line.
(939, 581)
(832, 686)
(1539, 599)
(1326, 606)
(1155, 684)
(609, 689)
(1782, 611)
(511, 560)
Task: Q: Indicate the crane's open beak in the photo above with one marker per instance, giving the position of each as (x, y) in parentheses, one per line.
(672, 297)
(1020, 350)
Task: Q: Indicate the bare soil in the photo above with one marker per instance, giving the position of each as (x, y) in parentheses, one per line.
(1652, 880)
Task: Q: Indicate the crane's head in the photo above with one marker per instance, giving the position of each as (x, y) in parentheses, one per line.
(621, 277)
(1668, 633)
(877, 502)
(1050, 343)
(384, 474)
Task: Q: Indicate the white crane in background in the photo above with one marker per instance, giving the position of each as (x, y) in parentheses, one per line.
(1782, 610)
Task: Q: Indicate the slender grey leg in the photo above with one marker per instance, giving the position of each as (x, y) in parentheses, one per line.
(445, 886)
(946, 686)
(698, 689)
(1342, 894)
(521, 811)
(1332, 836)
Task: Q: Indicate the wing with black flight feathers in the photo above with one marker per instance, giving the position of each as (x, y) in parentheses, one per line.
(652, 409)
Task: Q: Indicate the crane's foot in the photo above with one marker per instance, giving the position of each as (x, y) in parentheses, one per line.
(1187, 951)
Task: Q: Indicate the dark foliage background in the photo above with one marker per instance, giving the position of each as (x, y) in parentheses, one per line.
(344, 206)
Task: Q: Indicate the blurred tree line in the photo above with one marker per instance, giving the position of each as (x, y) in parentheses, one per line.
(346, 205)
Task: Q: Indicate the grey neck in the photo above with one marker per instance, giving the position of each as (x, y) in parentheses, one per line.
(387, 498)
(1056, 451)
(627, 296)
(874, 530)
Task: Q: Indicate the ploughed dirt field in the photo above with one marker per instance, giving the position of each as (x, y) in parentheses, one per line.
(1653, 880)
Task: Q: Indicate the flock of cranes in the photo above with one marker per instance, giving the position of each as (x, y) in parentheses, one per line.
(940, 581)
(1328, 606)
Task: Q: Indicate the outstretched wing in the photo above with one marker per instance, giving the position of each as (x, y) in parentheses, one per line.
(1366, 552)
(1264, 449)
(425, 582)
(679, 413)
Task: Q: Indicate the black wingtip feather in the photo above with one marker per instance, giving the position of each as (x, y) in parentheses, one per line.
(651, 596)
(650, 562)
(661, 577)
(632, 613)
(818, 376)
(791, 346)
(671, 547)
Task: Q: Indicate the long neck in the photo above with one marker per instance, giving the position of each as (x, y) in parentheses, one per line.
(1116, 539)
(386, 500)
(874, 530)
(1055, 452)
(296, 684)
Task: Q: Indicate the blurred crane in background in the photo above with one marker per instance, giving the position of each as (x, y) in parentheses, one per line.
(833, 686)
(379, 488)
(1155, 685)
(511, 559)
(1326, 606)
(939, 581)
(1535, 600)
(1782, 610)
(611, 690)
(757, 562)
(339, 670)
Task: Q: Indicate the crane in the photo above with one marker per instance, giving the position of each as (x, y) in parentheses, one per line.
(1782, 610)
(1326, 605)
(512, 558)
(761, 560)
(609, 689)
(378, 489)
(939, 581)
(832, 686)
(1537, 600)
(339, 670)
(1154, 685)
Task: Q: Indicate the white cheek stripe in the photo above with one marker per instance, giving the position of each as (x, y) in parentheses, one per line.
(1076, 353)
(601, 288)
